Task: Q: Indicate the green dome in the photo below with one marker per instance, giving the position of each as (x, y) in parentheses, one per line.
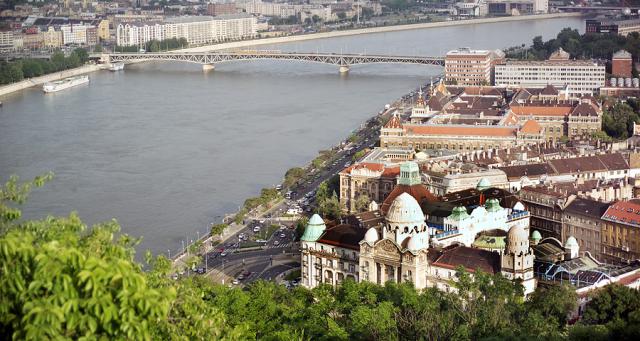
(459, 213)
(483, 184)
(315, 228)
(536, 235)
(493, 205)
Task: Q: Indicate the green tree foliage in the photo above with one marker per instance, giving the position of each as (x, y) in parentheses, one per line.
(301, 224)
(217, 229)
(614, 311)
(157, 45)
(362, 203)
(293, 175)
(26, 68)
(61, 281)
(618, 120)
(585, 46)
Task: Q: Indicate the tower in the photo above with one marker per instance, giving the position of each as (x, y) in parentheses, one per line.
(517, 260)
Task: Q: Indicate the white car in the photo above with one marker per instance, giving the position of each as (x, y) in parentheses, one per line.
(276, 243)
(256, 229)
(282, 235)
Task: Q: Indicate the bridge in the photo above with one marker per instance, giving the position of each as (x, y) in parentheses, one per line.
(209, 59)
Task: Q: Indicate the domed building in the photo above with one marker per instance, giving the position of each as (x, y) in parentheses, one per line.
(517, 259)
(400, 255)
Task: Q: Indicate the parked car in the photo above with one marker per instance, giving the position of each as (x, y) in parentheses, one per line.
(276, 243)
(235, 282)
(256, 229)
(224, 254)
(282, 235)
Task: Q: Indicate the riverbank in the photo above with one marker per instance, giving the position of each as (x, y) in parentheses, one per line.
(383, 29)
(27, 83)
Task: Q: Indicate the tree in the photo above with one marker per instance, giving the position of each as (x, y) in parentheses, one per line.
(60, 281)
(83, 55)
(217, 229)
(362, 203)
(618, 121)
(301, 224)
(330, 207)
(58, 60)
(98, 48)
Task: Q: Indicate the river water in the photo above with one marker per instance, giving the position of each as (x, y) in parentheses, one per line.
(166, 149)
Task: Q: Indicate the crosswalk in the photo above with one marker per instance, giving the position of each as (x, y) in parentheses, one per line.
(281, 246)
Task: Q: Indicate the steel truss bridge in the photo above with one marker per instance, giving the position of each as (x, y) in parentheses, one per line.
(209, 59)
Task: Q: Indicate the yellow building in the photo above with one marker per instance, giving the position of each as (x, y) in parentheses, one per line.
(621, 232)
(103, 29)
(52, 38)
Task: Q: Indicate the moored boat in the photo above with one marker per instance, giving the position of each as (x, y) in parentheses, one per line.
(116, 66)
(66, 83)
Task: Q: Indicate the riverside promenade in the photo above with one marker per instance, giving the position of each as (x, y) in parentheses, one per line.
(27, 83)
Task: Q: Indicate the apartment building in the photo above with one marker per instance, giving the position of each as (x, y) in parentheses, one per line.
(471, 67)
(581, 77)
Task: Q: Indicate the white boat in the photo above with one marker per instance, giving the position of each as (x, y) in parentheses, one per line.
(65, 83)
(116, 67)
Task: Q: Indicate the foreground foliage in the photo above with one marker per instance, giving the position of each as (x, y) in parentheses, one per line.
(60, 280)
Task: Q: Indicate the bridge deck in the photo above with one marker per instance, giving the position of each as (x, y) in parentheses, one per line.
(326, 58)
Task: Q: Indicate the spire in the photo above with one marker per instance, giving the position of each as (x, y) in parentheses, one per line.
(420, 101)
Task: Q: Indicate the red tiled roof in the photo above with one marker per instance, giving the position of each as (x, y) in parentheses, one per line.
(343, 235)
(625, 212)
(387, 172)
(531, 127)
(541, 110)
(419, 192)
(460, 130)
(470, 258)
(394, 123)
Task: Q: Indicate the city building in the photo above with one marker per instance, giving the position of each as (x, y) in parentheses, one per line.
(403, 247)
(52, 38)
(216, 9)
(559, 117)
(471, 67)
(6, 41)
(79, 34)
(621, 64)
(581, 77)
(197, 30)
(373, 180)
(440, 183)
(621, 232)
(581, 220)
(621, 27)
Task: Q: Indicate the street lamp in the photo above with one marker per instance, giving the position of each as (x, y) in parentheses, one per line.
(169, 251)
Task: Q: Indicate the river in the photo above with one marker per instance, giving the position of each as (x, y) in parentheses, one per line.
(166, 149)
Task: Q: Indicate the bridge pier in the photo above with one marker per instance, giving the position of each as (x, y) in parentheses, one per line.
(208, 67)
(344, 69)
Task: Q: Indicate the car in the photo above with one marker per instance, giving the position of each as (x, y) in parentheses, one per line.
(276, 243)
(246, 273)
(282, 235)
(235, 282)
(261, 221)
(200, 270)
(256, 229)
(174, 277)
(261, 241)
(240, 277)
(223, 254)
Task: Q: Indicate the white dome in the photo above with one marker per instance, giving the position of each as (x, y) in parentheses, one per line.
(373, 206)
(405, 210)
(518, 239)
(415, 243)
(571, 242)
(371, 236)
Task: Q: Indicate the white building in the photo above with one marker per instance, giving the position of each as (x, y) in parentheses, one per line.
(197, 30)
(75, 34)
(581, 77)
(441, 184)
(6, 41)
(400, 247)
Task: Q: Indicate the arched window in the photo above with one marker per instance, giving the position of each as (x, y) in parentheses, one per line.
(406, 229)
